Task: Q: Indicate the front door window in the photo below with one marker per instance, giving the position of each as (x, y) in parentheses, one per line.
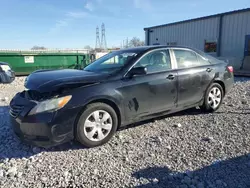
(156, 61)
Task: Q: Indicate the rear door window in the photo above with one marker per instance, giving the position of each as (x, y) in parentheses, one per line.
(187, 59)
(203, 61)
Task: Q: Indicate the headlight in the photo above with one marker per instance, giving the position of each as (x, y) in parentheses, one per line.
(5, 68)
(49, 105)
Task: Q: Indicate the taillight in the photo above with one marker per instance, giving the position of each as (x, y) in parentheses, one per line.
(230, 68)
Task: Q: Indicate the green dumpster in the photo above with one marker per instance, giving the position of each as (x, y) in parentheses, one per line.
(25, 62)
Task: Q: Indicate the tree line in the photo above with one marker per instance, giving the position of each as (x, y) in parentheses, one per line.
(134, 42)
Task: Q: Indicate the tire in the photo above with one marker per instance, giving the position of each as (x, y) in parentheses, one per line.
(88, 130)
(208, 104)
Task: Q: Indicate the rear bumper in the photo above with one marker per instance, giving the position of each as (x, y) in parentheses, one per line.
(228, 84)
(45, 129)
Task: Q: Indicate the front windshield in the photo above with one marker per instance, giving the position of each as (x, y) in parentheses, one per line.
(111, 62)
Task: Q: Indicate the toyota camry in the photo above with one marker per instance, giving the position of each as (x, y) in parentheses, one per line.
(120, 88)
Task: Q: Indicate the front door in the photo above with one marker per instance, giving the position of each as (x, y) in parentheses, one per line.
(154, 92)
(194, 75)
(247, 46)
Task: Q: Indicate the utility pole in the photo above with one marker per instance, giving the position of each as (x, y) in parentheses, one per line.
(97, 44)
(103, 42)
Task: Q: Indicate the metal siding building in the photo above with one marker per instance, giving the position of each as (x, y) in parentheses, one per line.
(235, 27)
(230, 32)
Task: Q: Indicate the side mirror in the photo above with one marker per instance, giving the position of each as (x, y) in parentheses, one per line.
(138, 71)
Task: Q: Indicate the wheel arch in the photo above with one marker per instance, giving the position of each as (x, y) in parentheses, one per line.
(221, 84)
(104, 100)
(111, 103)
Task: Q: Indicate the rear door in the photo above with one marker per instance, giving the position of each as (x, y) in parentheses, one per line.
(154, 92)
(194, 75)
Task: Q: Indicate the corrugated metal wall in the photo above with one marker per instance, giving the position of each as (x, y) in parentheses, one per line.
(234, 29)
(194, 33)
(191, 34)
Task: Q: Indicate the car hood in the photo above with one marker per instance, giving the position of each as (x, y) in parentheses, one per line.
(51, 80)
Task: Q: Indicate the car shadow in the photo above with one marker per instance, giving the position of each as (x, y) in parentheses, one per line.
(188, 112)
(191, 111)
(12, 147)
(229, 112)
(233, 173)
(241, 79)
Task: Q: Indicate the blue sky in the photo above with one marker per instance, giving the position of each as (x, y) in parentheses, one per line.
(72, 23)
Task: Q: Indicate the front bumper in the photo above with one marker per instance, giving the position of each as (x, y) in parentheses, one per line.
(7, 77)
(44, 129)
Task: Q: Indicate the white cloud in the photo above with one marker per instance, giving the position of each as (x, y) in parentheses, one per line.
(144, 5)
(194, 4)
(62, 23)
(89, 6)
(69, 17)
(59, 25)
(77, 14)
(99, 1)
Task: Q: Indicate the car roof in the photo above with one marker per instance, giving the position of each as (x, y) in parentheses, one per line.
(144, 49)
(152, 47)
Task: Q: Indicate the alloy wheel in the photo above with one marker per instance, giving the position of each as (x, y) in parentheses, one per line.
(98, 125)
(214, 97)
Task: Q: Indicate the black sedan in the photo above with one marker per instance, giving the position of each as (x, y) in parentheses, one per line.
(120, 88)
(7, 75)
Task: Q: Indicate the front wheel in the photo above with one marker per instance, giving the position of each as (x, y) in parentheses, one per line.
(213, 98)
(97, 125)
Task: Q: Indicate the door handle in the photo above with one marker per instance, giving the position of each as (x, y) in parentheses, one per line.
(209, 69)
(170, 77)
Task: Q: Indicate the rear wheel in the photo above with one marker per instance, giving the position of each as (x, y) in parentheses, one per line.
(97, 125)
(213, 98)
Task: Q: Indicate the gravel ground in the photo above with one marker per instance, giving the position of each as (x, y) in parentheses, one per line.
(187, 149)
